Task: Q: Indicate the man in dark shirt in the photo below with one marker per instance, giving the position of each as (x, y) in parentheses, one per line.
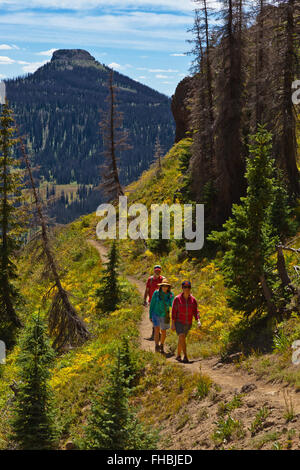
(151, 287)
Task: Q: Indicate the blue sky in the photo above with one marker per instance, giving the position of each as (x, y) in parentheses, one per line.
(143, 39)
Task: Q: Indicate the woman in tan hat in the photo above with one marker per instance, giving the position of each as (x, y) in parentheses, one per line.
(160, 305)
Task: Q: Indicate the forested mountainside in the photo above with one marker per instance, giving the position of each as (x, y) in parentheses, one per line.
(244, 73)
(59, 108)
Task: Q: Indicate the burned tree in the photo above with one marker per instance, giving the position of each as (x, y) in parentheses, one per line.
(286, 41)
(64, 323)
(115, 139)
(230, 180)
(202, 108)
(158, 154)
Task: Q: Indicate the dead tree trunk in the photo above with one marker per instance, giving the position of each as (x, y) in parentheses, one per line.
(64, 322)
(272, 310)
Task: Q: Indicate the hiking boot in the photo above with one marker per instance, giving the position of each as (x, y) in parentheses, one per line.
(152, 335)
(162, 349)
(157, 348)
(185, 360)
(178, 358)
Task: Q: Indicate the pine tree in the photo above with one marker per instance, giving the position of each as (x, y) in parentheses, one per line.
(281, 211)
(112, 425)
(249, 237)
(159, 245)
(33, 412)
(10, 226)
(109, 291)
(127, 362)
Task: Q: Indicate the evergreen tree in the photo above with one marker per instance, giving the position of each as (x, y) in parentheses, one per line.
(281, 212)
(33, 414)
(159, 245)
(248, 235)
(109, 291)
(130, 369)
(10, 226)
(112, 425)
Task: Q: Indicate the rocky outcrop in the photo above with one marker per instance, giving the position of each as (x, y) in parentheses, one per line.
(180, 108)
(71, 55)
(70, 58)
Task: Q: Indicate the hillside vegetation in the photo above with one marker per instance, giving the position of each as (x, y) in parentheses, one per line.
(187, 401)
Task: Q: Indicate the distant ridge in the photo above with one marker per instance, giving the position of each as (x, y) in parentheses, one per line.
(59, 108)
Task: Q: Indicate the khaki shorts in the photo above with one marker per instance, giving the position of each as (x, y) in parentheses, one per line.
(182, 328)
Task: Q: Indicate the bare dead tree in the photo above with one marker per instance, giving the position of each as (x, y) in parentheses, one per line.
(286, 59)
(201, 102)
(115, 141)
(64, 323)
(158, 154)
(230, 88)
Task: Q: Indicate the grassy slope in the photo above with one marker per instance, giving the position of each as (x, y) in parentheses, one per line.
(78, 375)
(217, 318)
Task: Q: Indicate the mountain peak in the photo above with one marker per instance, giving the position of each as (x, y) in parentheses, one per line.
(72, 55)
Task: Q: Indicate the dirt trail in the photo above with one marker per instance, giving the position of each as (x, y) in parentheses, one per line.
(230, 379)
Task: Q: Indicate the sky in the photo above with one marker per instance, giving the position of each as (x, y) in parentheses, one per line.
(143, 39)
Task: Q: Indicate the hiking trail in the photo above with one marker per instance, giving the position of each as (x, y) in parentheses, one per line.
(228, 377)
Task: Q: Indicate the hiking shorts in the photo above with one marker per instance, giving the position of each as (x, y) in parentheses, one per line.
(160, 321)
(182, 328)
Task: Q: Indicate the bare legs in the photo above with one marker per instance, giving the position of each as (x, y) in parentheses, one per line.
(159, 337)
(181, 345)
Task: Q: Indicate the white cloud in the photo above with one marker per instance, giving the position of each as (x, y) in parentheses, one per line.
(115, 66)
(6, 60)
(2, 76)
(142, 77)
(162, 71)
(5, 47)
(177, 55)
(161, 76)
(47, 53)
(132, 29)
(22, 62)
(31, 68)
(183, 5)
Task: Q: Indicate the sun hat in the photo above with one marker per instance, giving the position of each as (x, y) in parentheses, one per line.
(186, 284)
(164, 283)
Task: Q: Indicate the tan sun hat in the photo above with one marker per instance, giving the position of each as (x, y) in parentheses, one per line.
(164, 283)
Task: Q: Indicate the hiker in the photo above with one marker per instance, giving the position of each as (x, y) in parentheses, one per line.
(184, 308)
(151, 287)
(160, 305)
